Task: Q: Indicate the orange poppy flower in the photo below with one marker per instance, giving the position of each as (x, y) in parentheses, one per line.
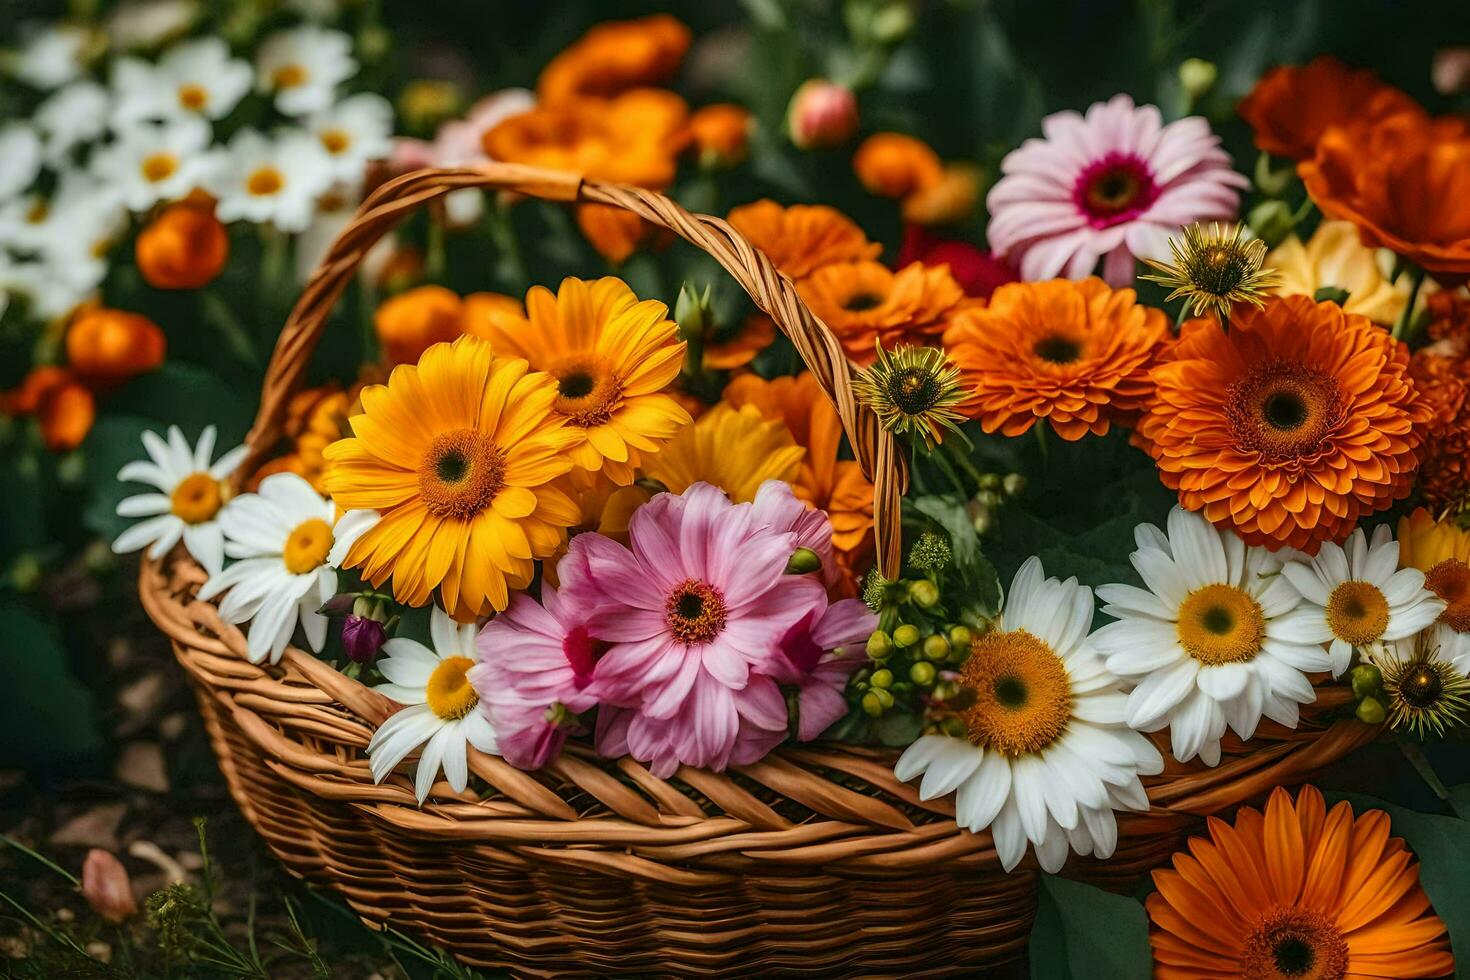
(185, 247)
(1074, 353)
(614, 57)
(1291, 427)
(721, 134)
(107, 347)
(866, 302)
(1296, 892)
(804, 237)
(64, 408)
(1405, 182)
(1293, 105)
(895, 165)
(731, 350)
(834, 485)
(412, 322)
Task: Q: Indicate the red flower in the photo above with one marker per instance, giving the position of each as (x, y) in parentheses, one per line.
(978, 272)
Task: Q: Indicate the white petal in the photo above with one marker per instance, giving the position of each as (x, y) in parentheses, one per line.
(954, 764)
(1161, 691)
(144, 505)
(1223, 681)
(1009, 838)
(982, 795)
(917, 757)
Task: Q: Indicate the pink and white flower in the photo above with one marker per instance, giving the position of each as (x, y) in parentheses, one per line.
(1113, 185)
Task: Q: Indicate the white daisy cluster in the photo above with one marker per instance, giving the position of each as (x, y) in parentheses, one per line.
(1220, 636)
(115, 133)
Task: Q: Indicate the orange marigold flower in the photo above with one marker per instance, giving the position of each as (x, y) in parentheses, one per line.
(485, 314)
(1077, 354)
(1295, 892)
(895, 165)
(185, 247)
(633, 138)
(721, 134)
(64, 408)
(412, 322)
(107, 347)
(804, 237)
(614, 57)
(1292, 106)
(1405, 182)
(825, 481)
(734, 349)
(950, 199)
(1291, 427)
(615, 233)
(1441, 372)
(866, 302)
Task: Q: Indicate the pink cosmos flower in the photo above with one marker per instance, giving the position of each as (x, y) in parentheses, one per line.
(535, 675)
(1112, 185)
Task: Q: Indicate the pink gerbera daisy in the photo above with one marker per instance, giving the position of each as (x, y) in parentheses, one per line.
(1112, 185)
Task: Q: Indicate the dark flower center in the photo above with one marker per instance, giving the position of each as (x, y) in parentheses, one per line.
(859, 302)
(1056, 349)
(1421, 687)
(1114, 189)
(694, 611)
(914, 391)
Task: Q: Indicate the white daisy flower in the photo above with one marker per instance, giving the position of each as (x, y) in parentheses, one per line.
(197, 77)
(135, 24)
(50, 56)
(74, 230)
(73, 116)
(154, 162)
(303, 66)
(443, 709)
(20, 148)
(287, 542)
(1357, 595)
(352, 132)
(259, 179)
(48, 293)
(1049, 757)
(191, 492)
(1205, 641)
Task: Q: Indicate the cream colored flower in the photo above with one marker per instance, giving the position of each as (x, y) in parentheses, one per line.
(1334, 257)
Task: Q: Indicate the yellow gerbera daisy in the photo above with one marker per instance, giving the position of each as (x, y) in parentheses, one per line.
(734, 449)
(458, 453)
(612, 357)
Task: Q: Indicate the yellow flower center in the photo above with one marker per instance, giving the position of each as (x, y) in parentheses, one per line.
(38, 211)
(308, 546)
(290, 76)
(1023, 696)
(461, 473)
(197, 498)
(694, 612)
(1357, 612)
(336, 140)
(193, 97)
(159, 166)
(1450, 580)
(449, 693)
(265, 181)
(1221, 624)
(1295, 944)
(587, 389)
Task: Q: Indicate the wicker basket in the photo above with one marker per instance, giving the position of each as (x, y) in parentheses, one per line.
(814, 860)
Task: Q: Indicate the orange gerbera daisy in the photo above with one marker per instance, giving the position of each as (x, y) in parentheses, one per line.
(460, 454)
(896, 165)
(804, 237)
(1296, 893)
(612, 358)
(1292, 106)
(828, 483)
(1404, 181)
(1441, 372)
(1077, 354)
(865, 303)
(734, 449)
(614, 57)
(730, 349)
(1291, 427)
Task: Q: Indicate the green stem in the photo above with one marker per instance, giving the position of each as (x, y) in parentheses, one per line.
(434, 258)
(1416, 280)
(1040, 429)
(40, 857)
(1415, 754)
(942, 460)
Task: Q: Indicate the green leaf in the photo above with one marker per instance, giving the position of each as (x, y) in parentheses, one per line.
(46, 716)
(189, 397)
(1086, 933)
(977, 575)
(1442, 845)
(113, 442)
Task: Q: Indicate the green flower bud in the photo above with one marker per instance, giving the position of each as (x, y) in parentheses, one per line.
(946, 691)
(871, 705)
(960, 637)
(803, 560)
(892, 22)
(922, 673)
(1014, 484)
(906, 635)
(987, 499)
(954, 726)
(936, 647)
(1371, 712)
(884, 698)
(1197, 76)
(880, 645)
(991, 481)
(882, 678)
(692, 311)
(923, 593)
(982, 519)
(1272, 221)
(1331, 294)
(1272, 183)
(1367, 680)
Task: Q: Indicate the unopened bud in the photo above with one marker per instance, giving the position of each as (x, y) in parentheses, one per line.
(961, 637)
(871, 705)
(906, 635)
(1371, 712)
(692, 310)
(924, 593)
(1013, 485)
(954, 726)
(107, 887)
(1197, 76)
(803, 560)
(1271, 221)
(982, 519)
(922, 673)
(362, 637)
(880, 645)
(821, 114)
(936, 647)
(1367, 680)
(882, 678)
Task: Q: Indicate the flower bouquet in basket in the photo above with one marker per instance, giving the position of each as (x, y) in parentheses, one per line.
(648, 628)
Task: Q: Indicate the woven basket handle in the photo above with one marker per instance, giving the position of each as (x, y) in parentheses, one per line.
(770, 290)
